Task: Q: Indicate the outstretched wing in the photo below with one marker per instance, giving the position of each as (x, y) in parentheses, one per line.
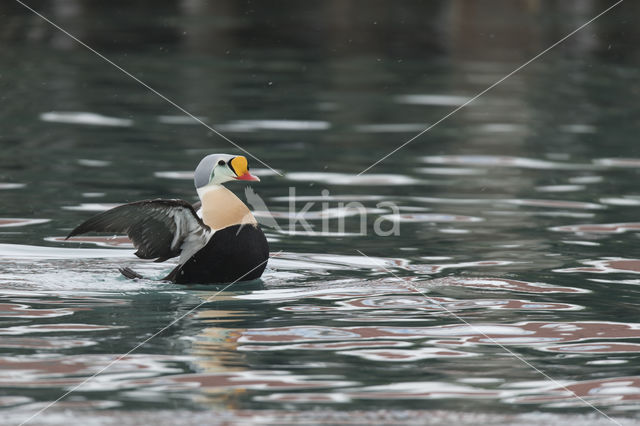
(160, 229)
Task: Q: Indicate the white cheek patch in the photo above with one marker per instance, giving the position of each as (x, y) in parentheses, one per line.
(221, 174)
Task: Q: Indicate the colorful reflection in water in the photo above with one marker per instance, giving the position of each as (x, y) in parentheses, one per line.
(518, 215)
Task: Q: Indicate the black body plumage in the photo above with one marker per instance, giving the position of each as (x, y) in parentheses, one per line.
(236, 253)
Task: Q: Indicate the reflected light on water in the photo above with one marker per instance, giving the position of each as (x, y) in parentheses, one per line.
(516, 214)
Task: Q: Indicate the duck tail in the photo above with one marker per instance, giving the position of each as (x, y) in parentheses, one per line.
(130, 273)
(173, 275)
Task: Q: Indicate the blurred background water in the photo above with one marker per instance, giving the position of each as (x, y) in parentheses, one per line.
(518, 214)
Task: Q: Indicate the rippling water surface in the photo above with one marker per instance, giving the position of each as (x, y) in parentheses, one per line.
(509, 292)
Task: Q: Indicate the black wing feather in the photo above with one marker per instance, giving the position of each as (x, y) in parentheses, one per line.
(150, 224)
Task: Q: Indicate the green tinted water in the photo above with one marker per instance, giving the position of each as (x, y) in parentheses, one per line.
(517, 216)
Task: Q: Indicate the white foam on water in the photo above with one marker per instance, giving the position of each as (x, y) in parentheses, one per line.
(608, 362)
(578, 128)
(19, 251)
(286, 125)
(586, 179)
(390, 127)
(431, 218)
(93, 163)
(451, 171)
(431, 99)
(12, 185)
(621, 201)
(371, 179)
(88, 118)
(560, 188)
(91, 207)
(502, 128)
(502, 161)
(15, 222)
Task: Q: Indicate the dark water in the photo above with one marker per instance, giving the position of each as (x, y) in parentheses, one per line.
(513, 281)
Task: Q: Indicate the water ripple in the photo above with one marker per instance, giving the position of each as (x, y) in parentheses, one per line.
(432, 99)
(7, 185)
(504, 284)
(406, 355)
(286, 125)
(370, 179)
(502, 161)
(56, 328)
(522, 333)
(599, 228)
(400, 305)
(255, 379)
(101, 241)
(87, 118)
(44, 343)
(606, 266)
(14, 222)
(14, 310)
(609, 391)
(430, 217)
(596, 348)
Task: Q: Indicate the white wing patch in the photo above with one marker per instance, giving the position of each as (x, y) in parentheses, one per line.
(190, 236)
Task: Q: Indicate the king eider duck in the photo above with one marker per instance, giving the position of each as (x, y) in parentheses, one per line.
(219, 243)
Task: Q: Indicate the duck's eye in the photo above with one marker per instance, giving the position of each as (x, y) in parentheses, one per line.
(221, 163)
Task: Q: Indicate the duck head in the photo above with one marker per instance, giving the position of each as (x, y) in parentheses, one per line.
(216, 169)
